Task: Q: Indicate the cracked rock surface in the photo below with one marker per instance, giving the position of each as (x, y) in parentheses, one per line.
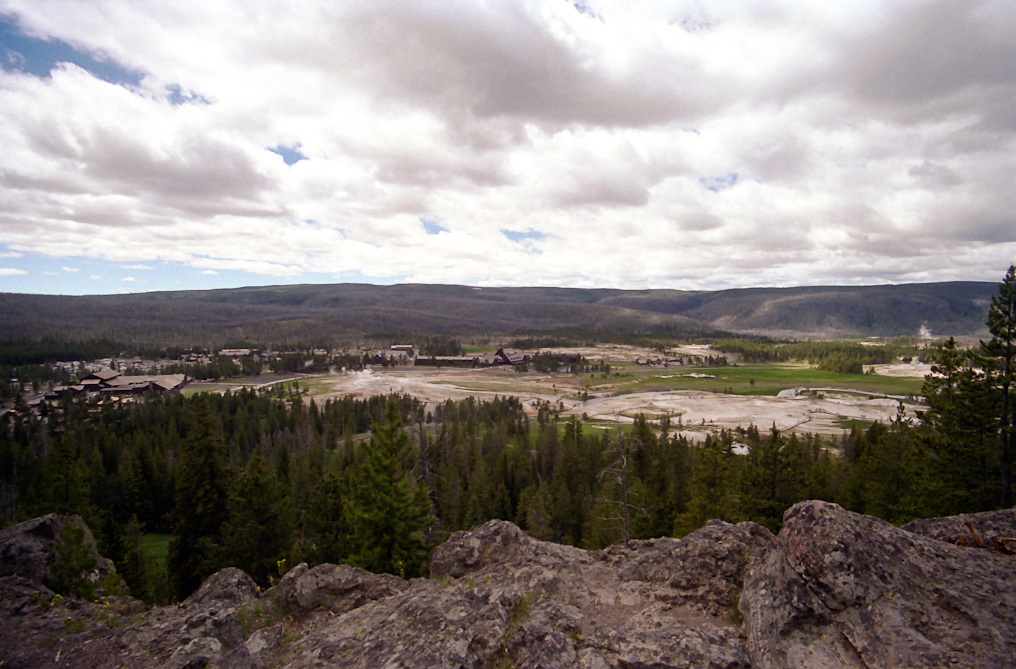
(842, 589)
(834, 588)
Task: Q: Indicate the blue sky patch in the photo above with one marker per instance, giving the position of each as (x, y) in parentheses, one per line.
(716, 184)
(38, 274)
(431, 226)
(517, 236)
(19, 52)
(179, 96)
(290, 154)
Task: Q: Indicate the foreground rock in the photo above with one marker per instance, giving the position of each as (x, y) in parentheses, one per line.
(28, 549)
(833, 589)
(990, 530)
(840, 589)
(500, 596)
(332, 588)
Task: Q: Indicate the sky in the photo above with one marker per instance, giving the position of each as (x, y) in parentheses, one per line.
(587, 143)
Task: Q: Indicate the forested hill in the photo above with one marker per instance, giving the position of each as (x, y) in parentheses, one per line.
(953, 308)
(327, 312)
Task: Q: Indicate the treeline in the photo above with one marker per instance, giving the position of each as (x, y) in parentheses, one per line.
(35, 376)
(217, 367)
(548, 362)
(838, 357)
(19, 352)
(209, 368)
(444, 346)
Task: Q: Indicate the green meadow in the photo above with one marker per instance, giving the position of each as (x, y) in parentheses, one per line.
(157, 545)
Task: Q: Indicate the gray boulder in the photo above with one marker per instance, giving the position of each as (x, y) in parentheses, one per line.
(334, 588)
(28, 549)
(200, 629)
(706, 568)
(992, 530)
(228, 587)
(504, 598)
(493, 542)
(841, 589)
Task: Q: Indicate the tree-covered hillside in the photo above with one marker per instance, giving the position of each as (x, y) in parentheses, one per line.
(340, 312)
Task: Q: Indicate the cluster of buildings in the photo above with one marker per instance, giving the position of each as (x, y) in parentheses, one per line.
(503, 356)
(112, 383)
(99, 384)
(658, 361)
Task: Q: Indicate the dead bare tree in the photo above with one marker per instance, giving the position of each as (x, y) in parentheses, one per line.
(616, 488)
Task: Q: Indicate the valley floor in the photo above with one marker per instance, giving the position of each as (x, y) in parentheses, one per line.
(698, 400)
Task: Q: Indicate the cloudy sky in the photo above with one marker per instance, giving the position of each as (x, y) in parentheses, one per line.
(594, 143)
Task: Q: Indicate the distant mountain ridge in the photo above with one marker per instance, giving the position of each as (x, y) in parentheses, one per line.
(331, 312)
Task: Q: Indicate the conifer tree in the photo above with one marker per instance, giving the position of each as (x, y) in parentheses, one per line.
(889, 468)
(391, 510)
(259, 531)
(773, 478)
(326, 521)
(958, 449)
(137, 568)
(998, 357)
(712, 492)
(74, 561)
(201, 494)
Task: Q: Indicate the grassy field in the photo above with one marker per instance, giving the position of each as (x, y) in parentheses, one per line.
(157, 545)
(226, 384)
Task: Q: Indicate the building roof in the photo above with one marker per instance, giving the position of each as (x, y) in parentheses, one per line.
(510, 354)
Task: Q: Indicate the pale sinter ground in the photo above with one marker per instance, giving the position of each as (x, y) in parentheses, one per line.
(696, 412)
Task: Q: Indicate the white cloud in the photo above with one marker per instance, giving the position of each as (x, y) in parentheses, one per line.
(651, 144)
(94, 277)
(130, 279)
(69, 269)
(12, 271)
(210, 272)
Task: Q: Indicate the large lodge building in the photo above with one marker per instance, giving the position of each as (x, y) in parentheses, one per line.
(110, 383)
(503, 356)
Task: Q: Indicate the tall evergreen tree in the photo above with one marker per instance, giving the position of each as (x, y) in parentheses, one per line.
(959, 434)
(326, 521)
(773, 478)
(890, 470)
(711, 487)
(998, 357)
(259, 531)
(392, 510)
(201, 493)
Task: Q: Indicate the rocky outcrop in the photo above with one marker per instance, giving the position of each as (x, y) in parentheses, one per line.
(28, 549)
(500, 596)
(705, 569)
(991, 530)
(333, 588)
(196, 633)
(230, 587)
(832, 589)
(840, 589)
(493, 542)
